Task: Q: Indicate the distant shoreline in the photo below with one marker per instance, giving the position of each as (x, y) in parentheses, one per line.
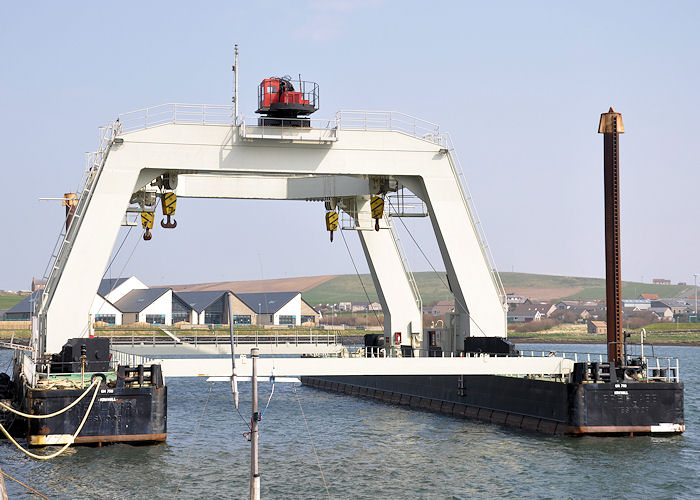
(662, 343)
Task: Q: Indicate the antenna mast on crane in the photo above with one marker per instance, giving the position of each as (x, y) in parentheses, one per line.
(235, 83)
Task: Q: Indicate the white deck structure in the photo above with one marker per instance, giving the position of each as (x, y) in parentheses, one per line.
(293, 367)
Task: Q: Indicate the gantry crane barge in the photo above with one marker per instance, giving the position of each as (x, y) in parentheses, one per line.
(349, 164)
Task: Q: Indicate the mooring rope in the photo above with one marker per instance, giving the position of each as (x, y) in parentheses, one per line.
(65, 447)
(194, 439)
(323, 477)
(22, 484)
(28, 415)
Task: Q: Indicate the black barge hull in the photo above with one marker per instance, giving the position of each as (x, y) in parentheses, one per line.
(551, 407)
(119, 415)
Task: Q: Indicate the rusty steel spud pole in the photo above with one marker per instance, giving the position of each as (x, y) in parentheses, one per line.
(611, 126)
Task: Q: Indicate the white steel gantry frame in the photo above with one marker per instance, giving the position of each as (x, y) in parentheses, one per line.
(345, 161)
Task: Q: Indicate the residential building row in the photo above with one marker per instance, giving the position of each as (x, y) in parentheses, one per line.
(125, 301)
(524, 310)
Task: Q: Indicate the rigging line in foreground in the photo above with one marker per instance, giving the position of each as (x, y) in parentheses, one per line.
(464, 307)
(194, 438)
(22, 484)
(369, 302)
(313, 447)
(272, 391)
(246, 422)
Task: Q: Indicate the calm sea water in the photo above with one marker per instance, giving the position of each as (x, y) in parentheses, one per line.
(368, 450)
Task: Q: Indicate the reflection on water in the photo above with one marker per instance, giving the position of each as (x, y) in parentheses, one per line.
(368, 450)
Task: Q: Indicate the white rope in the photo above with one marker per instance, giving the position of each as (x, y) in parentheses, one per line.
(268, 399)
(65, 447)
(28, 415)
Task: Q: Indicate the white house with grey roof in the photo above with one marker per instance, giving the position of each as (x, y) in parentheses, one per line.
(110, 291)
(125, 301)
(206, 307)
(152, 305)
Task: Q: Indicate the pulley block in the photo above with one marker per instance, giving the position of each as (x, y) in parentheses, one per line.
(168, 203)
(331, 222)
(377, 205)
(147, 224)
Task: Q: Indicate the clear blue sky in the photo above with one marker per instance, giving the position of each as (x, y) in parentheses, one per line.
(520, 85)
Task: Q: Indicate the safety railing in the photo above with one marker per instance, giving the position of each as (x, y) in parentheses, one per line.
(388, 120)
(216, 114)
(190, 114)
(297, 129)
(63, 245)
(663, 369)
(128, 359)
(658, 368)
(253, 338)
(475, 219)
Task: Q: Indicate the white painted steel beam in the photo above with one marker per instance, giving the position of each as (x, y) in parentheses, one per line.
(217, 151)
(189, 349)
(297, 367)
(270, 187)
(399, 304)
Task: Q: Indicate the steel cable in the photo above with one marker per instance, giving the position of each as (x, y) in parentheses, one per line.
(313, 447)
(194, 439)
(464, 307)
(369, 302)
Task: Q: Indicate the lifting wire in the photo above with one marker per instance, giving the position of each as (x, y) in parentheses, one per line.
(27, 415)
(323, 477)
(114, 285)
(109, 266)
(22, 484)
(464, 307)
(359, 277)
(194, 439)
(65, 446)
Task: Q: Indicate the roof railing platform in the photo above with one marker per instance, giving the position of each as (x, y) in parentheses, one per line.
(307, 129)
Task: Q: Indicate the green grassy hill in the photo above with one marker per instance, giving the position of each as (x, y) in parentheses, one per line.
(8, 300)
(348, 288)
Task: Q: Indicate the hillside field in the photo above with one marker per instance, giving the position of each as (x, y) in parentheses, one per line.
(541, 286)
(8, 300)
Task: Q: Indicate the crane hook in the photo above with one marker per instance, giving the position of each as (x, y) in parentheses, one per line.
(170, 224)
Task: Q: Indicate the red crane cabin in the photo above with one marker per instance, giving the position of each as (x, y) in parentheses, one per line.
(272, 92)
